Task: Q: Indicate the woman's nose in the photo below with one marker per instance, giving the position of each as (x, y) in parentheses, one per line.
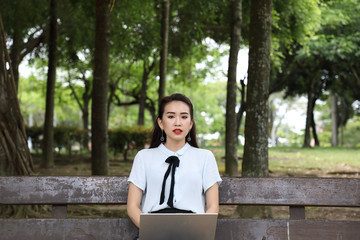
(177, 121)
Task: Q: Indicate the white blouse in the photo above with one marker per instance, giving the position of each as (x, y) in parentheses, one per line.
(196, 173)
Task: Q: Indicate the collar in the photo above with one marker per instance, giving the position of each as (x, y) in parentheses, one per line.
(169, 153)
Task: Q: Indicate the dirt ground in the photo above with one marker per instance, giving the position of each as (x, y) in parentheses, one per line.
(80, 166)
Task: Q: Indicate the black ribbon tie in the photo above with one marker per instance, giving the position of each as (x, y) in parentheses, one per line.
(173, 163)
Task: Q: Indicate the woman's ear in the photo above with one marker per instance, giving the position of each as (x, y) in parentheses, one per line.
(160, 123)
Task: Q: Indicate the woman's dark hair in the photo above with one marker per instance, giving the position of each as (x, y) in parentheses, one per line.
(155, 140)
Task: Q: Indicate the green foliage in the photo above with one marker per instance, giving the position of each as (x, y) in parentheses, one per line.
(76, 32)
(135, 30)
(22, 19)
(338, 37)
(351, 139)
(124, 139)
(293, 23)
(319, 39)
(32, 99)
(64, 137)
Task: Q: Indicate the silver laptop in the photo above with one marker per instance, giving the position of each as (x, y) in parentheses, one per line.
(177, 226)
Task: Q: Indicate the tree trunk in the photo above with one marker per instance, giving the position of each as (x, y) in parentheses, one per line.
(142, 100)
(15, 52)
(150, 106)
(334, 123)
(272, 128)
(113, 86)
(48, 142)
(17, 42)
(255, 161)
(15, 158)
(241, 111)
(164, 46)
(86, 99)
(231, 164)
(313, 124)
(99, 139)
(143, 94)
(308, 114)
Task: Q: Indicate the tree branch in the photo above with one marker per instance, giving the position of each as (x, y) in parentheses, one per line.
(32, 43)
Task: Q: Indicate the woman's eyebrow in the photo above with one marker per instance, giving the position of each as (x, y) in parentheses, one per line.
(180, 113)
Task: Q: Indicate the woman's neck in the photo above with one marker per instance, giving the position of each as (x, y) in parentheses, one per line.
(174, 146)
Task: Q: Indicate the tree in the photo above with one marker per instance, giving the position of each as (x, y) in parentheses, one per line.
(48, 143)
(334, 122)
(142, 101)
(231, 126)
(294, 23)
(84, 104)
(15, 158)
(25, 24)
(99, 136)
(165, 7)
(255, 161)
(76, 58)
(325, 61)
(309, 112)
(242, 109)
(339, 39)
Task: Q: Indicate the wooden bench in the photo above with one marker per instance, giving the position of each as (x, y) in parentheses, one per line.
(297, 193)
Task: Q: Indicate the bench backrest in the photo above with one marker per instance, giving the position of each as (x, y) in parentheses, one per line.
(336, 192)
(293, 192)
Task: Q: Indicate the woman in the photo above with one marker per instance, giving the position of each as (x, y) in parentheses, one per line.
(174, 174)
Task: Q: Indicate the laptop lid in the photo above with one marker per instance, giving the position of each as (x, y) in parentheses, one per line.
(178, 226)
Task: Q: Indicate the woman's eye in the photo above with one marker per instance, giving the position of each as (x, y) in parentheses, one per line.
(170, 116)
(184, 117)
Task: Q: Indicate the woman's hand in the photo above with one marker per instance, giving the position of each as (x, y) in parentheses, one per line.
(133, 204)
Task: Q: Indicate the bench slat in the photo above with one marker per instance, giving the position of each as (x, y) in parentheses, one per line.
(338, 192)
(329, 230)
(251, 229)
(229, 229)
(63, 190)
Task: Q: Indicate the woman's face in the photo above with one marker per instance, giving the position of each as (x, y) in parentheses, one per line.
(176, 121)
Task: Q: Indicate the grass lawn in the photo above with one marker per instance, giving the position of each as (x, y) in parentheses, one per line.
(304, 162)
(332, 161)
(283, 161)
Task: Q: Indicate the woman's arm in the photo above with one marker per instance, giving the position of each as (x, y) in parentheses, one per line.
(212, 199)
(133, 204)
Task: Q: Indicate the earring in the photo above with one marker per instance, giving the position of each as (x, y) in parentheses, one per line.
(162, 136)
(188, 138)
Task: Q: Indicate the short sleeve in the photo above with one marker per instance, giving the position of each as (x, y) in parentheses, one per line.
(211, 172)
(137, 174)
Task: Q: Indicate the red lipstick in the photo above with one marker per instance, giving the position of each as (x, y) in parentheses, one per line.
(177, 131)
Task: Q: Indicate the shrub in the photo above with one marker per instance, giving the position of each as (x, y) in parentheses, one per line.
(124, 139)
(36, 135)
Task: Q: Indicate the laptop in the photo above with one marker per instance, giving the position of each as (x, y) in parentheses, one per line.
(177, 226)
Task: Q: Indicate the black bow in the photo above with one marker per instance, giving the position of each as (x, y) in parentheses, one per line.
(173, 163)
